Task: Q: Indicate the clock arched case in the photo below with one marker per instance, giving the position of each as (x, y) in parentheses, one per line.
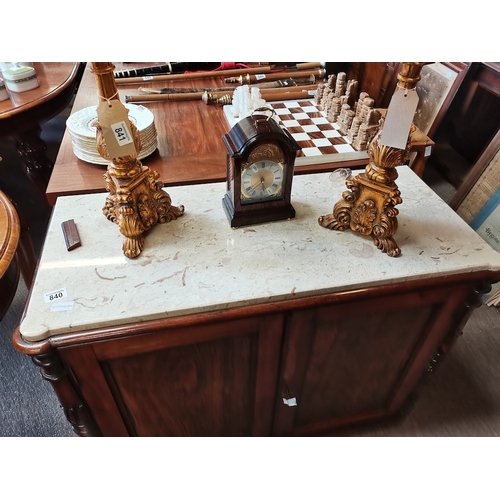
(260, 163)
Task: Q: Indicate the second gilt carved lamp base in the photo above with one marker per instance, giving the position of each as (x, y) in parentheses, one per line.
(369, 207)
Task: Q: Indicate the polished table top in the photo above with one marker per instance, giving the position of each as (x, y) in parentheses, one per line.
(190, 147)
(21, 110)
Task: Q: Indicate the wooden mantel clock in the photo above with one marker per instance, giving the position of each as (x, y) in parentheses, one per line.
(260, 162)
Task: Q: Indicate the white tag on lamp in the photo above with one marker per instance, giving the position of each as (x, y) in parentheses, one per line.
(112, 116)
(400, 114)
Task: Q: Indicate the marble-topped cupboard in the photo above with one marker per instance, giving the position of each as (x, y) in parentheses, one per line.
(284, 328)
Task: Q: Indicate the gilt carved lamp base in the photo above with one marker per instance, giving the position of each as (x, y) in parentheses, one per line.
(136, 205)
(368, 208)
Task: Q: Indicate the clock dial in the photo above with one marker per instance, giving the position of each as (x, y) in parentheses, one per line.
(262, 181)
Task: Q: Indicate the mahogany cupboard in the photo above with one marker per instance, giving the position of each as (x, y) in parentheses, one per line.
(277, 329)
(229, 377)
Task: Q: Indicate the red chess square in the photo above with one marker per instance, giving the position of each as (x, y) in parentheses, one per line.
(337, 140)
(306, 144)
(305, 121)
(324, 126)
(316, 135)
(315, 114)
(295, 130)
(327, 150)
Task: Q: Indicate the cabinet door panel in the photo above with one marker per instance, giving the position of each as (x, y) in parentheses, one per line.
(344, 363)
(357, 360)
(224, 386)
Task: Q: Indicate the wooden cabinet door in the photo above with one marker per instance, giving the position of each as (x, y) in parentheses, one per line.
(217, 379)
(358, 361)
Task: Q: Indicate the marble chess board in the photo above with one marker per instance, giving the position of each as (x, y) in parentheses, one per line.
(309, 126)
(320, 140)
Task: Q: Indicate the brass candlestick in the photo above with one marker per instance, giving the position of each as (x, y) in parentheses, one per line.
(369, 205)
(136, 200)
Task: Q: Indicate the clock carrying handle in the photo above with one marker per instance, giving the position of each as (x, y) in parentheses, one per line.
(265, 108)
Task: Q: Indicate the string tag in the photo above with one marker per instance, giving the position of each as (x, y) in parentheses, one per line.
(112, 116)
(399, 118)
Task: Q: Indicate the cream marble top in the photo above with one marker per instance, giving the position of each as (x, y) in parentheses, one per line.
(197, 263)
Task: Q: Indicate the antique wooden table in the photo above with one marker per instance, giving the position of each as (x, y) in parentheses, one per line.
(284, 328)
(190, 148)
(22, 114)
(10, 231)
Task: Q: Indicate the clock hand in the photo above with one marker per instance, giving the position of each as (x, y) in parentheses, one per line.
(260, 182)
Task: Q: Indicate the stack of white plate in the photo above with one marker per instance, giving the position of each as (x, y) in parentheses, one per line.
(83, 134)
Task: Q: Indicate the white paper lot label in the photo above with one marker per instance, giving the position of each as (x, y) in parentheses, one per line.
(55, 295)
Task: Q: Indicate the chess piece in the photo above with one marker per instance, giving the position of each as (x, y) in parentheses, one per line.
(340, 85)
(354, 129)
(324, 98)
(345, 118)
(319, 93)
(334, 110)
(366, 105)
(245, 100)
(361, 138)
(359, 102)
(350, 94)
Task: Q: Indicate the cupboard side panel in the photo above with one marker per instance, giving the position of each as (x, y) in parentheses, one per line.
(92, 384)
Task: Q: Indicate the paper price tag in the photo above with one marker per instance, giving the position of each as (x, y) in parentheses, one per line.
(55, 295)
(122, 133)
(148, 77)
(260, 77)
(113, 118)
(290, 401)
(399, 118)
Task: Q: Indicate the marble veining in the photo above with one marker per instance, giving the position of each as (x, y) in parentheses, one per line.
(197, 263)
